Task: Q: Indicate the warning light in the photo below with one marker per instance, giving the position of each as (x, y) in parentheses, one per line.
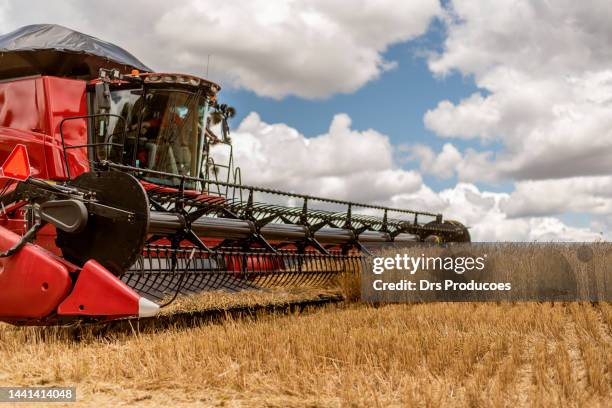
(135, 72)
(17, 164)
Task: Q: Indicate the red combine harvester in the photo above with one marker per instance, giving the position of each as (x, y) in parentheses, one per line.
(112, 203)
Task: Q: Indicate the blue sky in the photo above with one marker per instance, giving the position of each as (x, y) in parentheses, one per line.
(394, 104)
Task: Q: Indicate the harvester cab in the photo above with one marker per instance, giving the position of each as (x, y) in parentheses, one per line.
(152, 121)
(113, 204)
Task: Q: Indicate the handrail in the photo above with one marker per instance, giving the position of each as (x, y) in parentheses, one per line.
(214, 166)
(270, 191)
(237, 180)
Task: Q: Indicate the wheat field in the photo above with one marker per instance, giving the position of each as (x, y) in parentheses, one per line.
(426, 355)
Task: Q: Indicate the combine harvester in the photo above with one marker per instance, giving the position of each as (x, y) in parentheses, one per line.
(112, 203)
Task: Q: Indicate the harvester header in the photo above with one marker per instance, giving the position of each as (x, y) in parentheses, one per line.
(114, 201)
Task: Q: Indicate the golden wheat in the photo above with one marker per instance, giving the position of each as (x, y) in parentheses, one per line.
(465, 354)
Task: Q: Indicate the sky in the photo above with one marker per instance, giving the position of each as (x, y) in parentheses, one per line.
(497, 114)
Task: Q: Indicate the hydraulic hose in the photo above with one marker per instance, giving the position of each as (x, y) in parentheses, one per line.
(27, 237)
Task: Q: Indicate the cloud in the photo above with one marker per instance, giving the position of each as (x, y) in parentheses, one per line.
(442, 165)
(485, 214)
(544, 71)
(473, 117)
(342, 163)
(467, 165)
(549, 128)
(308, 48)
(591, 195)
(545, 79)
(4, 10)
(358, 165)
(540, 38)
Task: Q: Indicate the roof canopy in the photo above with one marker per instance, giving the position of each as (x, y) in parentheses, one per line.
(55, 50)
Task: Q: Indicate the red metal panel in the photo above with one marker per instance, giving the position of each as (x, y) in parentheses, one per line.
(45, 238)
(97, 292)
(66, 98)
(36, 106)
(23, 119)
(22, 105)
(32, 282)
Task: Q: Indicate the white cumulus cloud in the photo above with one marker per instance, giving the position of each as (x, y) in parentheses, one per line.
(308, 48)
(341, 163)
(592, 195)
(544, 71)
(542, 118)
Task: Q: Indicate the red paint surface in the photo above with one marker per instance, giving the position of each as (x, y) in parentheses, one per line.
(32, 282)
(97, 292)
(24, 119)
(66, 98)
(23, 106)
(45, 238)
(253, 263)
(31, 111)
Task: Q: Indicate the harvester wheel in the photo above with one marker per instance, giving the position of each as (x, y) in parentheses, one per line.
(460, 233)
(464, 235)
(434, 239)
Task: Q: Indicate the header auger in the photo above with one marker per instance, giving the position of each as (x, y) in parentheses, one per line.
(113, 204)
